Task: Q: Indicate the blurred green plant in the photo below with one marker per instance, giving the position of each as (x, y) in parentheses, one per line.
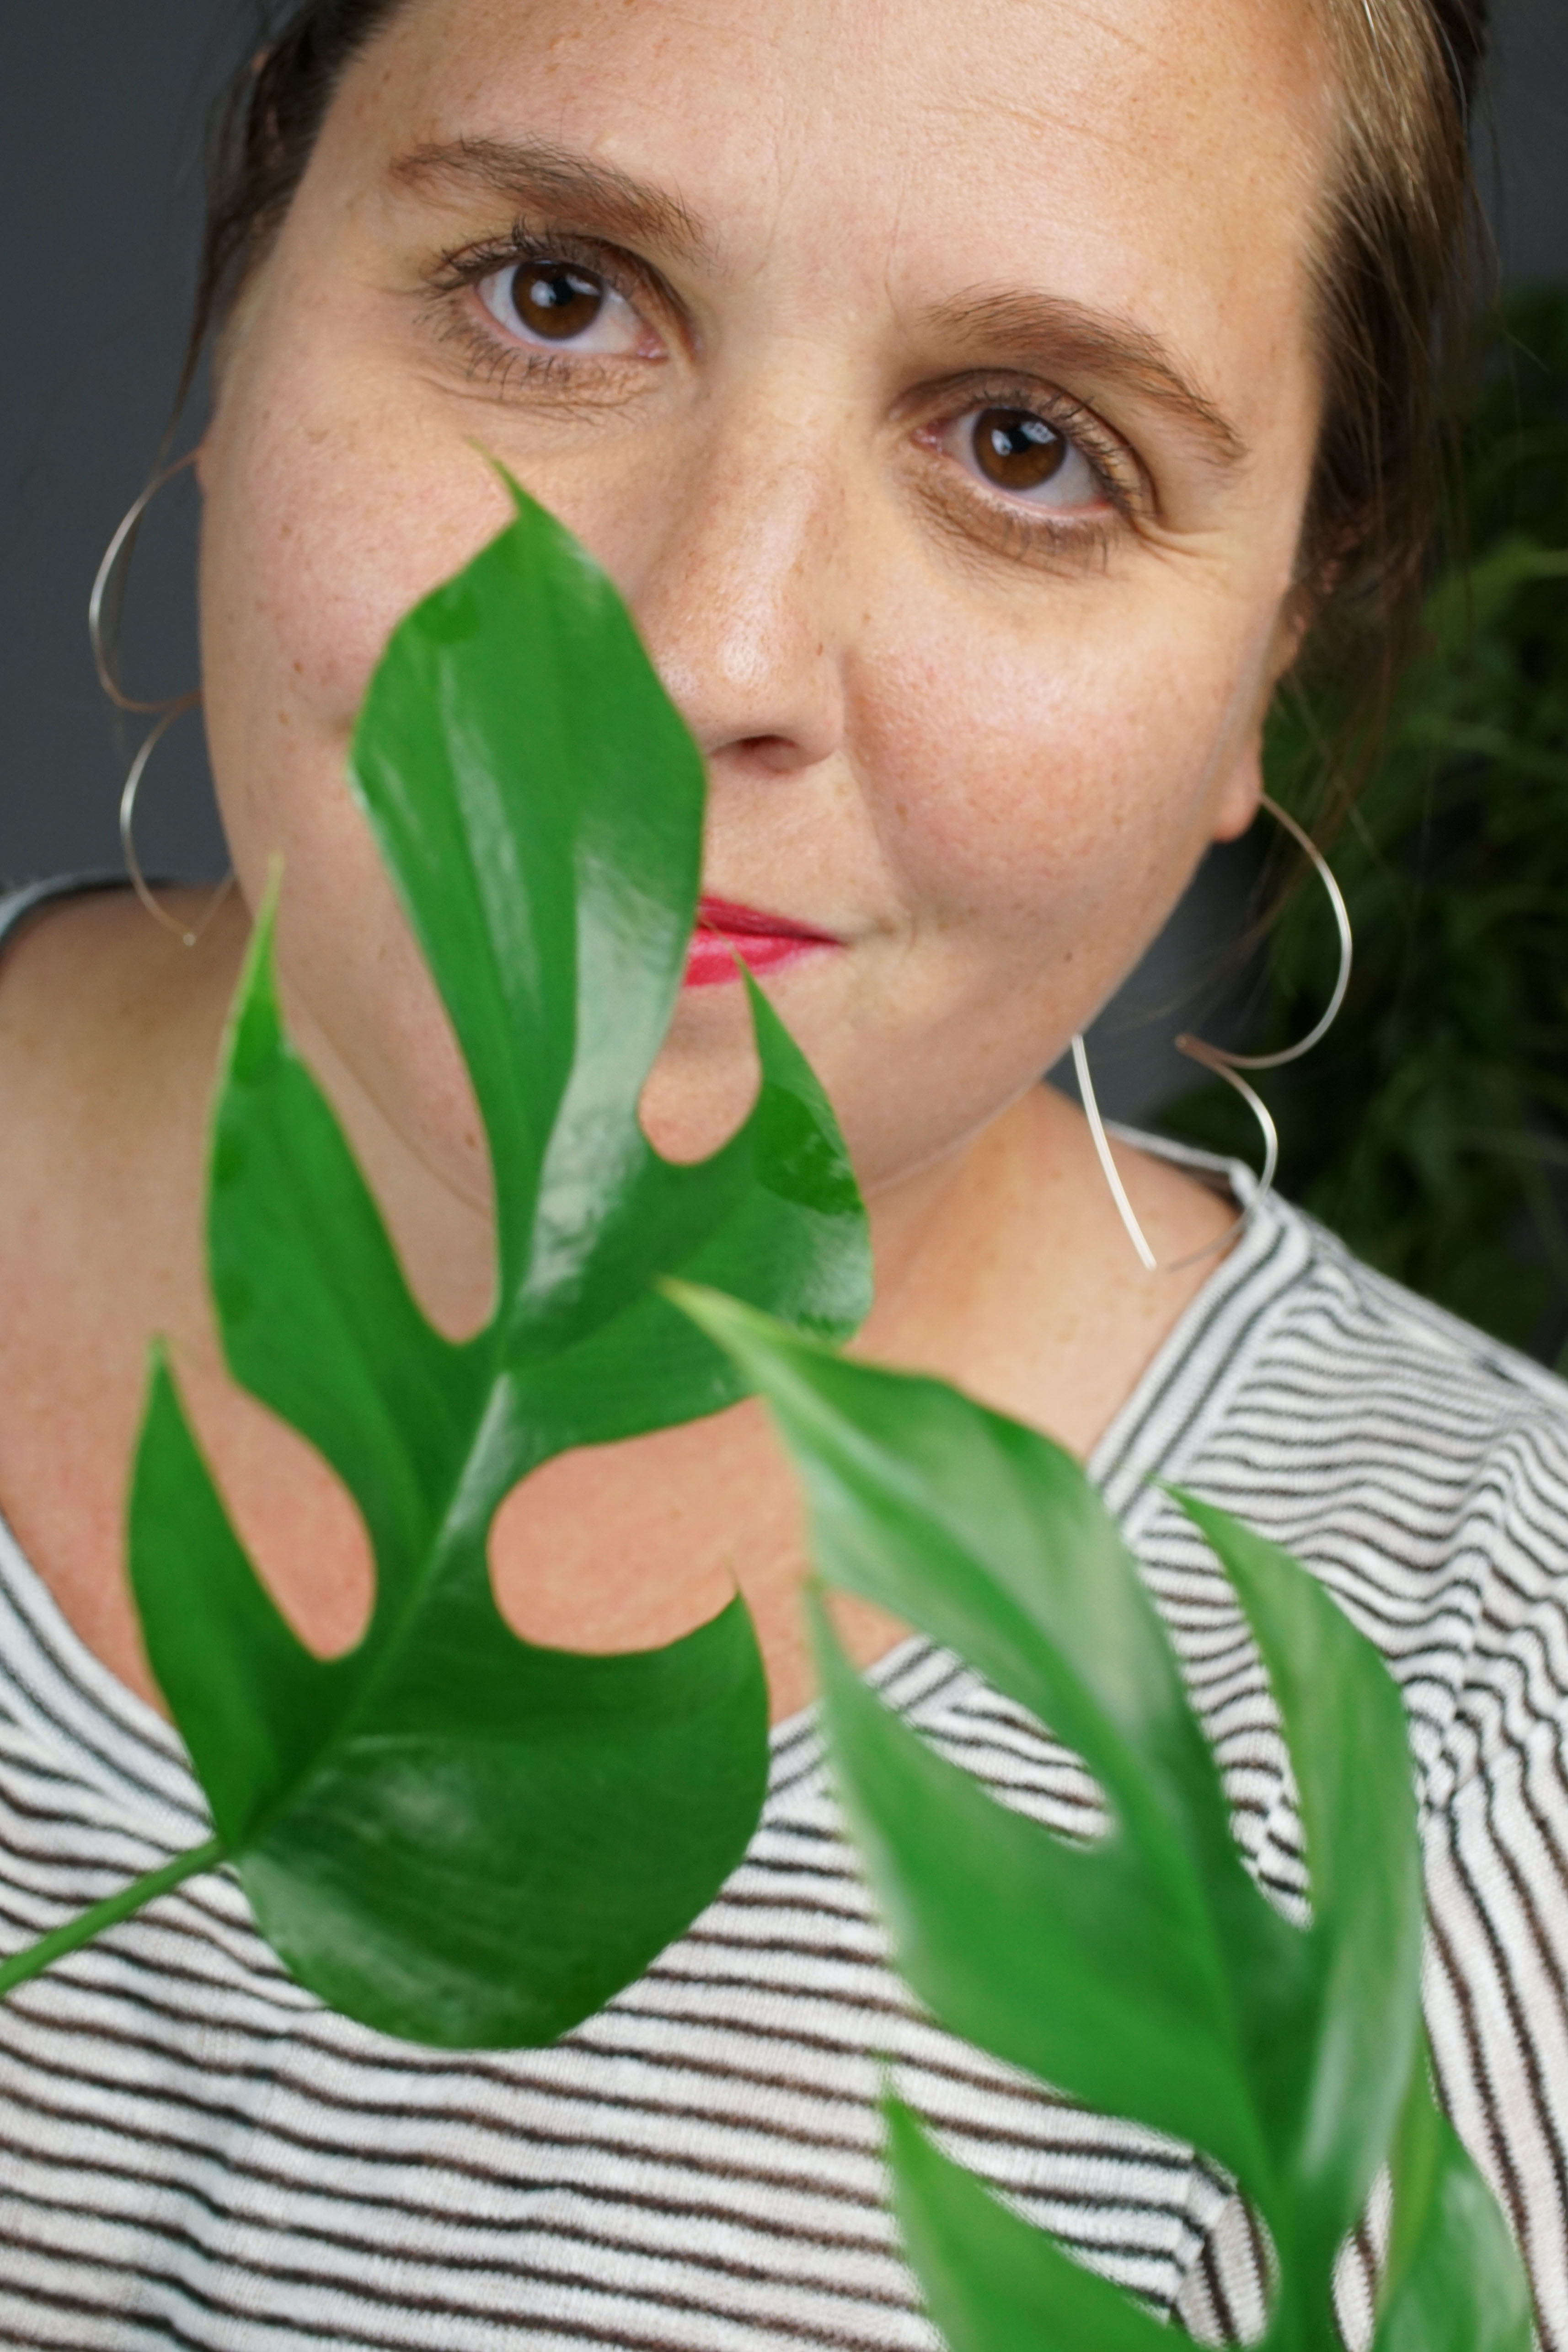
(1146, 1973)
(1431, 1128)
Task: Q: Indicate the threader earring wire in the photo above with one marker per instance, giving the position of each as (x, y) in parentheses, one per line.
(166, 712)
(1226, 1065)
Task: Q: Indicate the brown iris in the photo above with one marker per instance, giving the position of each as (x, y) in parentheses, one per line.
(555, 301)
(1016, 450)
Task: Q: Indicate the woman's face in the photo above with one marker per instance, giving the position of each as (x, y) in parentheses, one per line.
(935, 379)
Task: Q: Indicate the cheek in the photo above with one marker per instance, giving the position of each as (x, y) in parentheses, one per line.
(324, 523)
(319, 537)
(1045, 791)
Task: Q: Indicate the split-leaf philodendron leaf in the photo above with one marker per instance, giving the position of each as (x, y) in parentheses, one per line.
(1146, 1975)
(449, 1833)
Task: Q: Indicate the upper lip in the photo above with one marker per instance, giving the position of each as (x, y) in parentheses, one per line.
(726, 915)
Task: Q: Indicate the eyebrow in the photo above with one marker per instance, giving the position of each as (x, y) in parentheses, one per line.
(1045, 332)
(534, 175)
(1049, 332)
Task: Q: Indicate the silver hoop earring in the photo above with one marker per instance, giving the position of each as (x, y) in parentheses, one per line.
(123, 544)
(171, 708)
(1228, 1066)
(187, 933)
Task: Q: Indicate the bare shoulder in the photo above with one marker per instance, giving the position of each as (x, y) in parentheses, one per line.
(81, 977)
(108, 1029)
(100, 1014)
(107, 1043)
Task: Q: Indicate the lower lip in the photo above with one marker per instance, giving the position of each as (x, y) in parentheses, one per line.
(715, 956)
(718, 956)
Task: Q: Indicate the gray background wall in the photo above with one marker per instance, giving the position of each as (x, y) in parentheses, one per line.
(102, 104)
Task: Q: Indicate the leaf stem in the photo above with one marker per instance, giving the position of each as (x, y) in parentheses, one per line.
(36, 1958)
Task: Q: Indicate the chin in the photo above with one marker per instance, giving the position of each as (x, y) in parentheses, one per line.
(704, 1080)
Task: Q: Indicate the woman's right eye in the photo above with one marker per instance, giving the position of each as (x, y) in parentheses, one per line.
(556, 305)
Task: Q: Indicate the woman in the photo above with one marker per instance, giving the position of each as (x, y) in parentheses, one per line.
(978, 412)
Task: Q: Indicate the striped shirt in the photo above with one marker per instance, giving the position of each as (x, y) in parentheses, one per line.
(196, 2153)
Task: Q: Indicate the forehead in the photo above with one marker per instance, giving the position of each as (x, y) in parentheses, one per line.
(1161, 154)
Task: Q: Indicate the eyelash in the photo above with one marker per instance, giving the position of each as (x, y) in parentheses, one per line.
(1025, 531)
(456, 276)
(1118, 475)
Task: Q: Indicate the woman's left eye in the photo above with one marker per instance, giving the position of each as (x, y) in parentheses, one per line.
(555, 305)
(1025, 456)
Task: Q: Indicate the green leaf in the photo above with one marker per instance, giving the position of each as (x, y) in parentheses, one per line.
(451, 1833)
(1144, 1974)
(992, 2282)
(1344, 1726)
(1452, 2282)
(1128, 2011)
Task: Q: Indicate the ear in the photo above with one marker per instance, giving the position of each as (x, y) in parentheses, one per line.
(1236, 803)
(1243, 788)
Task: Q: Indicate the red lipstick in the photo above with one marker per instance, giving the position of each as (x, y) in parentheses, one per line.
(762, 942)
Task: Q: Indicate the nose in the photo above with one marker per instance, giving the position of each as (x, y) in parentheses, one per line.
(740, 583)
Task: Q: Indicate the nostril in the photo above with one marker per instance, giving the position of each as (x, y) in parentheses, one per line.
(781, 754)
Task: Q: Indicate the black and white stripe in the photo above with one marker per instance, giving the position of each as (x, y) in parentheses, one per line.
(195, 2153)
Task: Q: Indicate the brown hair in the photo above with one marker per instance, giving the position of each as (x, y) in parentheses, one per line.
(1394, 284)
(1393, 276)
(263, 131)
